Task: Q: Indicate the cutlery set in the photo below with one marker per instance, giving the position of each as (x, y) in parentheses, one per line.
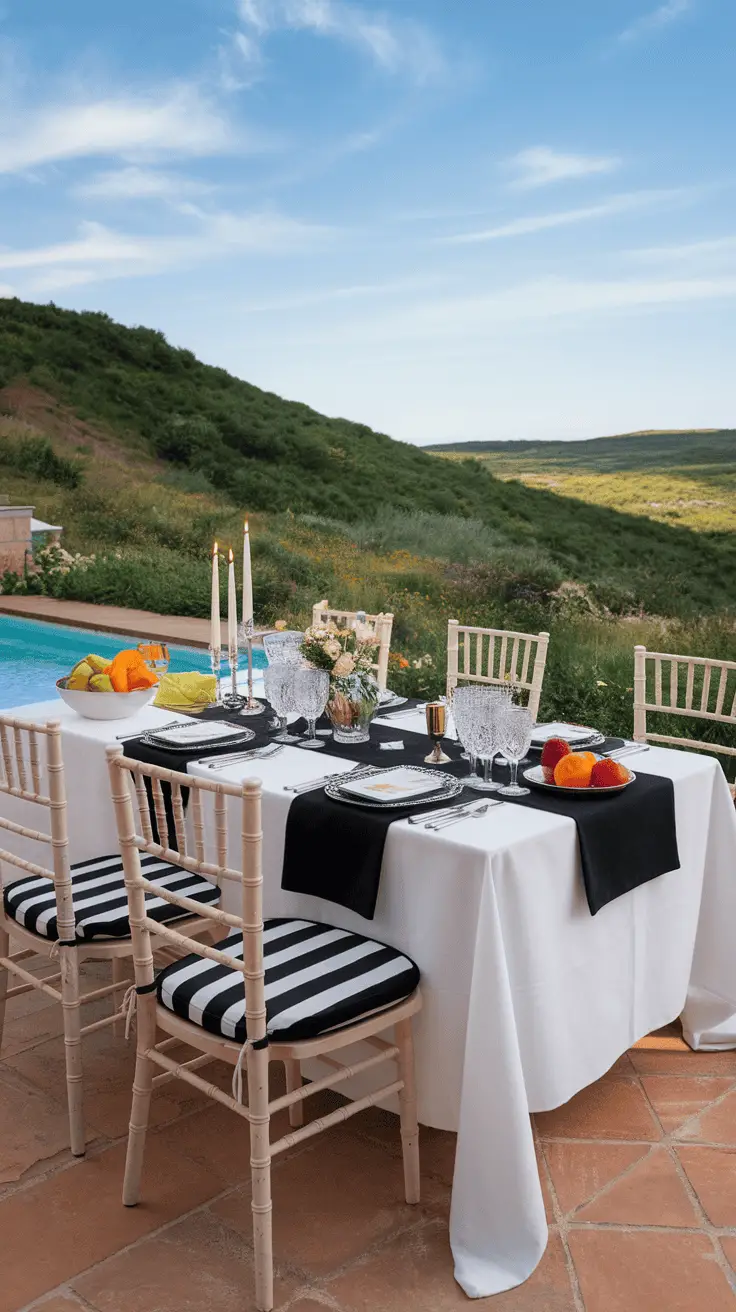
(238, 758)
(358, 771)
(629, 749)
(452, 814)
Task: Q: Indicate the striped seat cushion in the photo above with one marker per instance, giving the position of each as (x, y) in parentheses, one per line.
(100, 901)
(317, 979)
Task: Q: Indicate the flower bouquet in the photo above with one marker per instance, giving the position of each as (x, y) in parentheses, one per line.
(347, 655)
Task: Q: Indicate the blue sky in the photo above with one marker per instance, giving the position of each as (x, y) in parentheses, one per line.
(450, 219)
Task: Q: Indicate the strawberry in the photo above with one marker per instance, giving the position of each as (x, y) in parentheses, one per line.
(553, 751)
(607, 774)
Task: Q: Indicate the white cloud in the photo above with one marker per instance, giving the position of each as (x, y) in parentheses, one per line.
(100, 253)
(539, 166)
(563, 218)
(179, 122)
(396, 46)
(687, 251)
(654, 21)
(134, 183)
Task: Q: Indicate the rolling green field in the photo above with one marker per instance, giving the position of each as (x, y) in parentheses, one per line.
(686, 478)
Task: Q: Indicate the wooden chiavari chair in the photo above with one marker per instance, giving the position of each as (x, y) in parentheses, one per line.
(496, 656)
(693, 687)
(266, 993)
(380, 624)
(63, 911)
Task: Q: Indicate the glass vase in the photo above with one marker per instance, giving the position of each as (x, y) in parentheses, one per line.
(352, 705)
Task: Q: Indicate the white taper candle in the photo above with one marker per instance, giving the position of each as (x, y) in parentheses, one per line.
(232, 606)
(247, 577)
(215, 636)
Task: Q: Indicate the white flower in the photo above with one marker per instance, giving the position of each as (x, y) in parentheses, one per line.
(344, 665)
(332, 648)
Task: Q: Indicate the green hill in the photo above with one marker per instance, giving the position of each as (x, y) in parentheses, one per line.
(683, 477)
(163, 419)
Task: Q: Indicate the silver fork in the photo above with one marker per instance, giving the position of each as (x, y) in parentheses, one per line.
(356, 771)
(464, 815)
(239, 758)
(447, 810)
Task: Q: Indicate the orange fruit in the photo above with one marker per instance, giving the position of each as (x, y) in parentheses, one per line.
(575, 770)
(607, 774)
(553, 751)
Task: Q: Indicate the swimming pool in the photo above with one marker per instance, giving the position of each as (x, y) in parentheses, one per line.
(34, 654)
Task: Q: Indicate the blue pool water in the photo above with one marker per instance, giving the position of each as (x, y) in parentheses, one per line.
(34, 654)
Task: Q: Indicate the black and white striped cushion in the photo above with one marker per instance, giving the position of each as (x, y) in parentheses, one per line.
(317, 979)
(100, 901)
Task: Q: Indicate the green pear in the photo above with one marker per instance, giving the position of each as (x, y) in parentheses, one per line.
(80, 676)
(101, 683)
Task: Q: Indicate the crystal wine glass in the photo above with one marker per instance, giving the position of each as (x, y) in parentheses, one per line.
(465, 702)
(515, 736)
(278, 685)
(156, 656)
(482, 736)
(283, 648)
(311, 690)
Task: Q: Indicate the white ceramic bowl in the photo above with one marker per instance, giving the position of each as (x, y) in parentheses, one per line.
(106, 705)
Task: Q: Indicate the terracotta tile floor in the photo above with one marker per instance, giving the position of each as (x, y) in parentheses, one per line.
(638, 1173)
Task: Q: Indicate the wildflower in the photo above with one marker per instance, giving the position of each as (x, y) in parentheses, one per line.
(600, 684)
(403, 663)
(280, 625)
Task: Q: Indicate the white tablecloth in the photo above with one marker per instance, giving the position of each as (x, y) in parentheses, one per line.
(527, 998)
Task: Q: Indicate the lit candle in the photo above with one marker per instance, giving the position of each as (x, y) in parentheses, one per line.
(247, 577)
(232, 607)
(215, 636)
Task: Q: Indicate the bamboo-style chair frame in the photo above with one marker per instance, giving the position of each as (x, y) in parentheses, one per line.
(32, 776)
(258, 1050)
(382, 625)
(496, 656)
(683, 686)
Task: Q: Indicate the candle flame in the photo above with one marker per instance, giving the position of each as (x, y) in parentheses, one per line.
(214, 550)
(230, 556)
(245, 527)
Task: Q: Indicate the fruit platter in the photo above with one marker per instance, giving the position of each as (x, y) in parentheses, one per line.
(102, 689)
(581, 774)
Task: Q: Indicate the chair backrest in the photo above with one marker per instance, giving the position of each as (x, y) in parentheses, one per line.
(130, 798)
(380, 624)
(25, 775)
(694, 687)
(498, 656)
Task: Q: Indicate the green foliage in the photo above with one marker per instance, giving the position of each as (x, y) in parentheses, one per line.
(36, 457)
(261, 452)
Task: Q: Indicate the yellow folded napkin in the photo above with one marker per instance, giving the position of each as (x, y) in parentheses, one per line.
(182, 691)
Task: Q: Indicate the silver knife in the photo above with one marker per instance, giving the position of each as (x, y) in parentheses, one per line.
(356, 771)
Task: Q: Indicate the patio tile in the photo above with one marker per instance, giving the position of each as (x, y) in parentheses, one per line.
(676, 1098)
(645, 1271)
(610, 1109)
(33, 1126)
(436, 1147)
(579, 1170)
(549, 1209)
(667, 1062)
(59, 1303)
(78, 1212)
(714, 1125)
(712, 1174)
(332, 1202)
(199, 1263)
(652, 1193)
(728, 1244)
(108, 1065)
(414, 1273)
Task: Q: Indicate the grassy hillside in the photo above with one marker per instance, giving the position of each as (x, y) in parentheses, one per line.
(195, 429)
(686, 478)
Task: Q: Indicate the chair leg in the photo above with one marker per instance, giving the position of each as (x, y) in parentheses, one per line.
(118, 965)
(4, 952)
(139, 1114)
(408, 1110)
(73, 1047)
(260, 1172)
(294, 1081)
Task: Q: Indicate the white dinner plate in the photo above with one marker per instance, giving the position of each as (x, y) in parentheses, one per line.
(572, 733)
(397, 784)
(191, 735)
(535, 777)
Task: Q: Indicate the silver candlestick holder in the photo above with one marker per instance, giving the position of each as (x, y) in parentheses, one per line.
(233, 700)
(245, 638)
(215, 663)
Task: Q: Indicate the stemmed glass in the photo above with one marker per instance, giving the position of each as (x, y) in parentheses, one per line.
(278, 685)
(155, 655)
(484, 733)
(465, 705)
(310, 691)
(515, 736)
(283, 648)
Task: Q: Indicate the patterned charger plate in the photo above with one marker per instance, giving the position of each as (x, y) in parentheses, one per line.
(450, 788)
(201, 745)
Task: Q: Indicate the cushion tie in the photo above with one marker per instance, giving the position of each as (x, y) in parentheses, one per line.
(130, 998)
(237, 1086)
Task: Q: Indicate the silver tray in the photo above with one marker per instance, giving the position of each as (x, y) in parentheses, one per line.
(535, 777)
(451, 788)
(202, 745)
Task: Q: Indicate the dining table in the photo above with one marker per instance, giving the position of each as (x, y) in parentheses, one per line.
(528, 996)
